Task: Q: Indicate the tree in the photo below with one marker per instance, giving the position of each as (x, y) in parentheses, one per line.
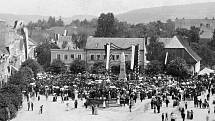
(27, 74)
(43, 53)
(154, 67)
(155, 50)
(59, 22)
(178, 68)
(212, 42)
(11, 97)
(105, 27)
(115, 69)
(77, 66)
(51, 22)
(194, 34)
(57, 67)
(98, 68)
(22, 78)
(33, 65)
(207, 55)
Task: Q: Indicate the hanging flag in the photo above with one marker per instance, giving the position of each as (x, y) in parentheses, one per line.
(107, 56)
(132, 56)
(65, 33)
(136, 59)
(166, 58)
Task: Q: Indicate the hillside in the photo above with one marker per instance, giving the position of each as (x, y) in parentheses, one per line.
(10, 18)
(199, 10)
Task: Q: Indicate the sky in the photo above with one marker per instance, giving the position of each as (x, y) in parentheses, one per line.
(69, 8)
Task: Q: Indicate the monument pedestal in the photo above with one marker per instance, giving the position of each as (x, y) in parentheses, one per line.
(122, 74)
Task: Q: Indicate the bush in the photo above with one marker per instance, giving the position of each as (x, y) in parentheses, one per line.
(11, 97)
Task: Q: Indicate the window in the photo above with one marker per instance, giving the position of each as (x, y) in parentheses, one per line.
(104, 56)
(79, 57)
(98, 57)
(126, 57)
(58, 56)
(207, 25)
(72, 56)
(113, 57)
(117, 57)
(92, 57)
(65, 57)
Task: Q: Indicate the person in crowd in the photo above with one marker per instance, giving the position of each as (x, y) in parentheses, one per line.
(200, 103)
(85, 104)
(41, 109)
(46, 96)
(173, 116)
(130, 106)
(166, 117)
(38, 97)
(167, 102)
(183, 116)
(32, 106)
(162, 116)
(76, 103)
(185, 105)
(29, 105)
(67, 106)
(191, 114)
(93, 109)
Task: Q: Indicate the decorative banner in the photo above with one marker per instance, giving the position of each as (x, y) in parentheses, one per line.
(65, 33)
(166, 58)
(26, 42)
(132, 56)
(136, 56)
(107, 56)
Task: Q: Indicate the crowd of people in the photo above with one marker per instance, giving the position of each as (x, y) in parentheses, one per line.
(160, 89)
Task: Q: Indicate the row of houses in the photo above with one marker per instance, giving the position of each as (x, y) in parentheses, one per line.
(94, 51)
(12, 50)
(205, 25)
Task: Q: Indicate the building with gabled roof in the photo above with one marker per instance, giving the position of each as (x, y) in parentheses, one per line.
(12, 52)
(178, 47)
(206, 26)
(95, 49)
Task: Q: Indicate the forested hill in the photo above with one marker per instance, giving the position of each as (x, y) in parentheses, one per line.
(145, 15)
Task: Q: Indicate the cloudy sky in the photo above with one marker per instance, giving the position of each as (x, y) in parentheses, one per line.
(68, 8)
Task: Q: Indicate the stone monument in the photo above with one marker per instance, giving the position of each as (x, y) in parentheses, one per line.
(122, 74)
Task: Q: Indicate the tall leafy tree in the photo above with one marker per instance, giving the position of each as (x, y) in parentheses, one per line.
(98, 68)
(194, 34)
(154, 67)
(105, 25)
(59, 22)
(33, 65)
(57, 67)
(212, 42)
(178, 68)
(155, 50)
(77, 66)
(43, 53)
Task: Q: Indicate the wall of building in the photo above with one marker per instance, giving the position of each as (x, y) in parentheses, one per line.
(206, 26)
(115, 53)
(71, 55)
(182, 53)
